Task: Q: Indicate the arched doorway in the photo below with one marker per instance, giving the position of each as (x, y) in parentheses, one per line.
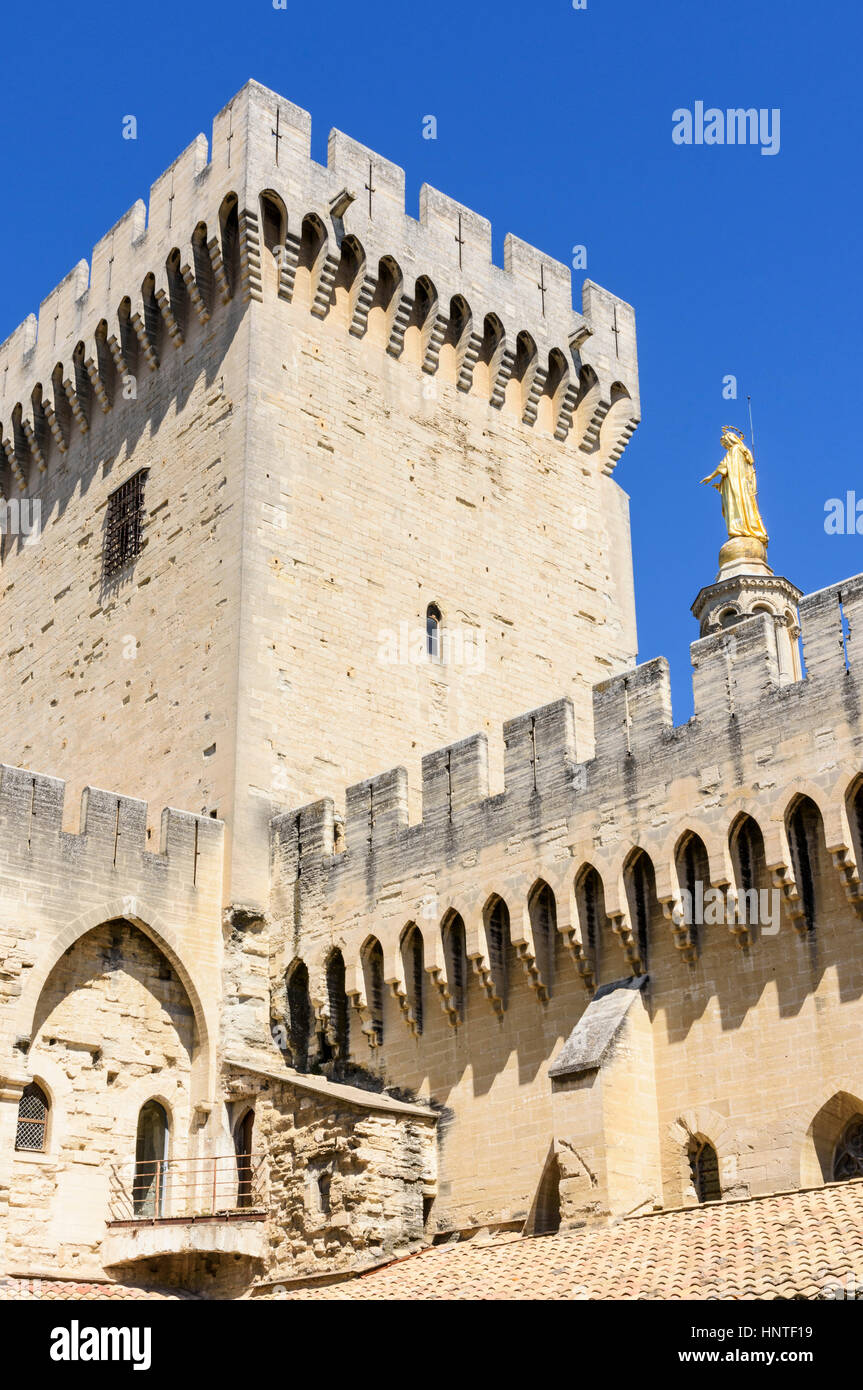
(151, 1160)
(243, 1150)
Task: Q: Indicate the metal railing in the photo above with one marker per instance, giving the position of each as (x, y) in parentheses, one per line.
(185, 1189)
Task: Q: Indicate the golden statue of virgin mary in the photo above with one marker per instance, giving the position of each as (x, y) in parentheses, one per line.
(737, 487)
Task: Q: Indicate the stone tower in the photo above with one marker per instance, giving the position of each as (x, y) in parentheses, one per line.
(321, 487)
(744, 586)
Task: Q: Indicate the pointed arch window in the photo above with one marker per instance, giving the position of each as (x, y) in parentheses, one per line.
(337, 1001)
(802, 833)
(455, 953)
(31, 1135)
(243, 1139)
(373, 970)
(543, 921)
(498, 937)
(151, 1160)
(299, 1014)
(413, 962)
(848, 1158)
(704, 1170)
(641, 893)
(590, 899)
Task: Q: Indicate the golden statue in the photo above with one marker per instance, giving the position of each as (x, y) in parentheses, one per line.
(737, 487)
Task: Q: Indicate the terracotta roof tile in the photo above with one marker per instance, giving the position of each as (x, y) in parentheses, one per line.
(781, 1246)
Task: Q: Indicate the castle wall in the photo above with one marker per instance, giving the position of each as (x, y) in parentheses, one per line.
(342, 425)
(114, 1029)
(109, 996)
(370, 502)
(750, 1041)
(133, 683)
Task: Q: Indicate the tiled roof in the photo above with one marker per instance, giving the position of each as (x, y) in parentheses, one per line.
(790, 1245)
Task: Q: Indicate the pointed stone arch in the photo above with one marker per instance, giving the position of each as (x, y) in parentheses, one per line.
(166, 940)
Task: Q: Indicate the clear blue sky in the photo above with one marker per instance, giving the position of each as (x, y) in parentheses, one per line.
(555, 124)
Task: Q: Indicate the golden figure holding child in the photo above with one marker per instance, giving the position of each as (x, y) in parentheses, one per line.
(737, 487)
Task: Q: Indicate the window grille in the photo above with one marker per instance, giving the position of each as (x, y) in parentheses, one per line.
(124, 526)
(32, 1120)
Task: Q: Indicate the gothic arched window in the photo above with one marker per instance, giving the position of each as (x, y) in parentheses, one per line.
(848, 1158)
(151, 1156)
(338, 1005)
(373, 972)
(299, 1014)
(704, 1170)
(33, 1108)
(543, 920)
(414, 962)
(456, 962)
(498, 938)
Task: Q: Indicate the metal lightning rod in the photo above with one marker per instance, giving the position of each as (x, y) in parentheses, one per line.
(751, 430)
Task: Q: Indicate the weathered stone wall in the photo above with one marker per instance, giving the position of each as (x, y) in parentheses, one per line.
(750, 1040)
(326, 459)
(114, 1028)
(105, 1005)
(131, 682)
(375, 1156)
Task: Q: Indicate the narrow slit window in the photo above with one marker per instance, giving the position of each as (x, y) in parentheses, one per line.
(433, 632)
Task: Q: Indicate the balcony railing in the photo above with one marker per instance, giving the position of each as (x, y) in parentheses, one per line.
(227, 1186)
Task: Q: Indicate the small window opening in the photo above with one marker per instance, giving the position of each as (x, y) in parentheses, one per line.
(124, 524)
(704, 1170)
(433, 632)
(32, 1132)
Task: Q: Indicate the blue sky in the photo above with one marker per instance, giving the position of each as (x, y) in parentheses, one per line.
(556, 124)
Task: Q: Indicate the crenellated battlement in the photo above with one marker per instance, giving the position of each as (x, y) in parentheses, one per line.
(113, 834)
(756, 744)
(203, 240)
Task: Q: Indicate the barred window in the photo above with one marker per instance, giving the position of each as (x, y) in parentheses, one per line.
(124, 523)
(32, 1129)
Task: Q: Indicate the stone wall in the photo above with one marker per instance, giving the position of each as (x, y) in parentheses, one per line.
(111, 986)
(114, 1029)
(348, 1172)
(751, 1034)
(326, 457)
